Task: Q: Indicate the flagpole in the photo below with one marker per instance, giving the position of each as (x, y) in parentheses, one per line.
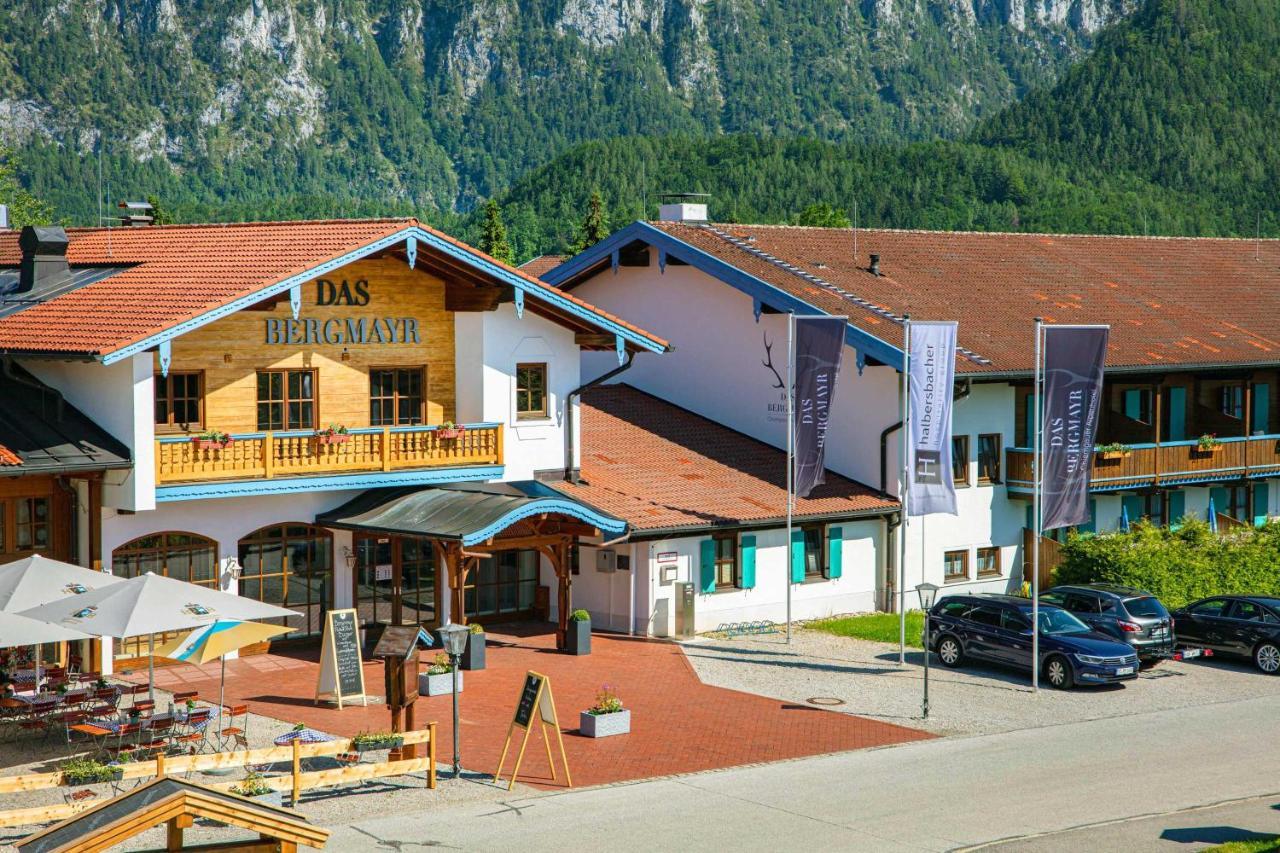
(1038, 522)
(791, 358)
(904, 492)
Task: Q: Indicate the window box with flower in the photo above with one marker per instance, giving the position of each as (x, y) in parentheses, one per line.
(450, 430)
(1114, 450)
(1208, 443)
(335, 434)
(438, 679)
(606, 717)
(212, 439)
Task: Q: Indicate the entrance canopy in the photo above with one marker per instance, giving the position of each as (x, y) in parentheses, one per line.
(467, 513)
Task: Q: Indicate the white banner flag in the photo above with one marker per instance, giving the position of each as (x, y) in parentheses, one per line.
(932, 372)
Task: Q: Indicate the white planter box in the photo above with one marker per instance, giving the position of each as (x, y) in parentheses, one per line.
(438, 685)
(604, 725)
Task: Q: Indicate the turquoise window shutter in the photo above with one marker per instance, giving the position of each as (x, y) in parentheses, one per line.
(1133, 507)
(707, 571)
(1031, 517)
(1261, 493)
(835, 552)
(1133, 404)
(1177, 414)
(797, 555)
(748, 562)
(1261, 407)
(1177, 508)
(1091, 526)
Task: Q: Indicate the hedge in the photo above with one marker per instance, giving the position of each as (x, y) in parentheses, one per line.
(1180, 565)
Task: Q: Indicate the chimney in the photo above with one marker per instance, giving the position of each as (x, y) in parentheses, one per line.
(137, 214)
(875, 265)
(683, 207)
(44, 257)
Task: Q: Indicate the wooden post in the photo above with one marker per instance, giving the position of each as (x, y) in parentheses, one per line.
(410, 750)
(159, 765)
(565, 596)
(173, 831)
(268, 455)
(386, 448)
(431, 756)
(297, 773)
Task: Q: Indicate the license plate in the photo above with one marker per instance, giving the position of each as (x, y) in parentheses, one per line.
(1159, 633)
(1124, 670)
(1191, 653)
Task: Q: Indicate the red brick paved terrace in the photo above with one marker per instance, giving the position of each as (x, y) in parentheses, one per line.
(678, 724)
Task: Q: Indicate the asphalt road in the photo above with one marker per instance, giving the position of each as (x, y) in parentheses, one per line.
(936, 795)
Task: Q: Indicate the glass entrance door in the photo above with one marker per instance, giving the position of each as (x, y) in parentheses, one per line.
(503, 585)
(374, 577)
(395, 581)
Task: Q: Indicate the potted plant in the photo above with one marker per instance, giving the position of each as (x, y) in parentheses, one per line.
(100, 683)
(212, 439)
(1114, 450)
(369, 741)
(1208, 443)
(473, 654)
(86, 771)
(438, 679)
(335, 434)
(578, 637)
(606, 717)
(191, 705)
(449, 429)
(254, 786)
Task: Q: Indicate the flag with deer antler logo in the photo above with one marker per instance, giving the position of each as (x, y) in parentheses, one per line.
(819, 344)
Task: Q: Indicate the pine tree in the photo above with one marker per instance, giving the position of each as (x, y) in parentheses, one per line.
(595, 225)
(24, 208)
(493, 239)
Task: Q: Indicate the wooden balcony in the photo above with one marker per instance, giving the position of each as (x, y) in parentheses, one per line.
(267, 455)
(1172, 464)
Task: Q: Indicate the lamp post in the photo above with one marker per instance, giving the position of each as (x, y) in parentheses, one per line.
(454, 637)
(927, 592)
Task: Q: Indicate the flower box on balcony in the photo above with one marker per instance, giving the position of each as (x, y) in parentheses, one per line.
(211, 443)
(325, 438)
(449, 431)
(1108, 455)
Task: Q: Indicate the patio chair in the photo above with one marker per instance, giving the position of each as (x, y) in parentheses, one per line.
(155, 735)
(104, 702)
(67, 719)
(144, 708)
(239, 734)
(183, 697)
(126, 740)
(192, 733)
(37, 718)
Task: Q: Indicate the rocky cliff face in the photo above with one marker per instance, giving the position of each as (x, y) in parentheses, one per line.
(438, 102)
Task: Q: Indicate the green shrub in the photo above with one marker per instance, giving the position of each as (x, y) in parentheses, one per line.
(1177, 566)
(580, 616)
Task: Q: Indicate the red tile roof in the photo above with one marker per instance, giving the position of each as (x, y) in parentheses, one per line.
(178, 272)
(662, 467)
(1169, 300)
(8, 457)
(541, 264)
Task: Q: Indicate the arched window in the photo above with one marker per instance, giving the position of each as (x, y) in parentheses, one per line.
(174, 554)
(290, 565)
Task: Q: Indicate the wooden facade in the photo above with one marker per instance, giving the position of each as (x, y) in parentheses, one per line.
(35, 518)
(229, 352)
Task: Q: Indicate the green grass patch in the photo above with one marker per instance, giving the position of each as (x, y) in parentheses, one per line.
(1260, 845)
(880, 627)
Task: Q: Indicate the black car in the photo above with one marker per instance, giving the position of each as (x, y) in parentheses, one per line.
(1248, 626)
(1132, 616)
(997, 628)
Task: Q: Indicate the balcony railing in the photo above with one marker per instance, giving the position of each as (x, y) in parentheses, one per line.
(180, 459)
(1171, 463)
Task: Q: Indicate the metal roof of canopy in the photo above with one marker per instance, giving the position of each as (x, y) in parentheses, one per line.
(467, 512)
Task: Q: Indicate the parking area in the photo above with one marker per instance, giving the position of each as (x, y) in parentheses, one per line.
(864, 677)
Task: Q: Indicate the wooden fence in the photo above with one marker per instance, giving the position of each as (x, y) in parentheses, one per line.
(1050, 557)
(295, 781)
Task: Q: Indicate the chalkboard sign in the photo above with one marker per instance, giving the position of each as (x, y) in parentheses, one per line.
(528, 699)
(341, 668)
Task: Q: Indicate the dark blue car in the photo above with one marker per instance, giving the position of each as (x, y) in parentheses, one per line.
(997, 628)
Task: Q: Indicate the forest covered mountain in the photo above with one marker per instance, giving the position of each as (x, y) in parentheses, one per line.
(1171, 126)
(229, 109)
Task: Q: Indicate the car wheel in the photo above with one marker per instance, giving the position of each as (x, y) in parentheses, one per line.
(1058, 673)
(1267, 658)
(950, 651)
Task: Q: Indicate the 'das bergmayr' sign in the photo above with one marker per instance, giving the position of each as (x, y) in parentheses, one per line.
(342, 331)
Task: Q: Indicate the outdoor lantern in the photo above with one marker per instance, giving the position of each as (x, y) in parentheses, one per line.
(928, 593)
(454, 637)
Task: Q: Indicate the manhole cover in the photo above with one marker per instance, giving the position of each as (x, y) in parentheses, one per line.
(824, 700)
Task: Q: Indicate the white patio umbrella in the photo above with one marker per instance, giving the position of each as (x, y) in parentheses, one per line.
(17, 630)
(37, 580)
(150, 604)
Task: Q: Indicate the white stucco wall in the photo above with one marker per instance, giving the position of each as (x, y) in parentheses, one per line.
(120, 398)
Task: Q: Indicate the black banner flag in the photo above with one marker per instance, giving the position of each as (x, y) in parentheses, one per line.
(819, 344)
(1073, 360)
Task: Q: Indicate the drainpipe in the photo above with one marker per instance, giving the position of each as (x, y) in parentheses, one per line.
(956, 397)
(572, 473)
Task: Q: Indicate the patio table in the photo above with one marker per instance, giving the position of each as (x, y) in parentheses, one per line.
(303, 736)
(96, 733)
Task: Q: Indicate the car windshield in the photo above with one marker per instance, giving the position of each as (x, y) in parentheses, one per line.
(1061, 622)
(1145, 607)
